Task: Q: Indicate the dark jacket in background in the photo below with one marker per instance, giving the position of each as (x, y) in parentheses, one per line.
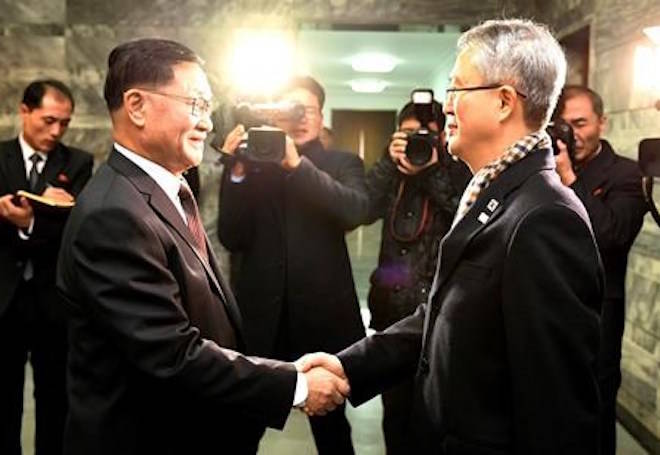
(610, 187)
(417, 212)
(295, 286)
(67, 168)
(505, 351)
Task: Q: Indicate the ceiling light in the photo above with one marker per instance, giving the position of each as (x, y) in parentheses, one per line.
(368, 85)
(373, 62)
(653, 33)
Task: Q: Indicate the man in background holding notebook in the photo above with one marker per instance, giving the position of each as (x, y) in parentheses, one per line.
(38, 163)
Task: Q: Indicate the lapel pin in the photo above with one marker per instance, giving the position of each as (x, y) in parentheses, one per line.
(483, 218)
(492, 205)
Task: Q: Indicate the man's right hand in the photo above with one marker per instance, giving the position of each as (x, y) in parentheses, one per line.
(326, 382)
(232, 141)
(397, 150)
(19, 215)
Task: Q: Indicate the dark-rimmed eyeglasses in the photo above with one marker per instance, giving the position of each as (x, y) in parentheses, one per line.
(452, 90)
(200, 106)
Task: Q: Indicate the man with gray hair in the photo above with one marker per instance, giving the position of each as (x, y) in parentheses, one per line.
(504, 351)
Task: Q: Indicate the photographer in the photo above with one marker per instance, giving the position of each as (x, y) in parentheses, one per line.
(610, 188)
(288, 220)
(417, 205)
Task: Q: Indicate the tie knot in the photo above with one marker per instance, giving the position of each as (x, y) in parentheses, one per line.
(184, 192)
(35, 158)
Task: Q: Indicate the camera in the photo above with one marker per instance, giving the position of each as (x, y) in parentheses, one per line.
(419, 149)
(561, 130)
(265, 143)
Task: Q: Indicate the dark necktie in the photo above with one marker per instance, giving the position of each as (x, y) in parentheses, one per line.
(194, 221)
(34, 172)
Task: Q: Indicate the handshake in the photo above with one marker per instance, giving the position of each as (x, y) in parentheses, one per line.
(327, 385)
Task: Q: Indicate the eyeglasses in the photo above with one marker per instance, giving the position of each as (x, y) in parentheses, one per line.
(452, 90)
(200, 106)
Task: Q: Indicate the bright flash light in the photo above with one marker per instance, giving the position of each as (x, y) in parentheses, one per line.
(653, 33)
(368, 85)
(373, 62)
(647, 68)
(261, 61)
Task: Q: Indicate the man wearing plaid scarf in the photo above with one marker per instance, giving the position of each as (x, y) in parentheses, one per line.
(504, 351)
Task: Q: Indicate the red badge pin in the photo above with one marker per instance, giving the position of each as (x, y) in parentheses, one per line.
(62, 178)
(597, 191)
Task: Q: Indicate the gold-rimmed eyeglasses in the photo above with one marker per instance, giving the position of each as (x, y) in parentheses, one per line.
(200, 106)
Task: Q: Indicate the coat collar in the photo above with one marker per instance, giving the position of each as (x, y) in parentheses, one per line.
(486, 209)
(595, 171)
(162, 205)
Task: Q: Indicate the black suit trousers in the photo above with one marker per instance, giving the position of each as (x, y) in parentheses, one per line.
(28, 328)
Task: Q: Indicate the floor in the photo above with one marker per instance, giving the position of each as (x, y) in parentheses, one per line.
(296, 438)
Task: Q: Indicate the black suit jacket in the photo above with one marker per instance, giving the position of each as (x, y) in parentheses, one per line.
(67, 168)
(153, 366)
(505, 349)
(295, 277)
(610, 187)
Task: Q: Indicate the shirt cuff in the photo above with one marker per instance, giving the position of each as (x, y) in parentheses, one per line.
(300, 395)
(25, 234)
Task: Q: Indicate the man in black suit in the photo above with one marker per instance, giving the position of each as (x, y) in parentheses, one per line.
(154, 330)
(37, 162)
(504, 351)
(288, 221)
(610, 188)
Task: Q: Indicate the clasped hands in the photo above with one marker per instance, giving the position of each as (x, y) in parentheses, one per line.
(327, 385)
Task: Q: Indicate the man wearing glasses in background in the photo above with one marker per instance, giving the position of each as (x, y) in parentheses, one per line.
(288, 220)
(504, 351)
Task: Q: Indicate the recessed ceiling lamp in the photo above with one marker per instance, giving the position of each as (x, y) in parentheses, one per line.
(368, 85)
(653, 33)
(373, 62)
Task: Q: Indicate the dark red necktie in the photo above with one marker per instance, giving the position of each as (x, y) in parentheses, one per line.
(194, 221)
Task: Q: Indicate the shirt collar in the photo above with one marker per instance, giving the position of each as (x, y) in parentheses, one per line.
(169, 182)
(28, 151)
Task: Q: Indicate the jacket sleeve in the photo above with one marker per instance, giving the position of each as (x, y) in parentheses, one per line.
(616, 219)
(235, 212)
(343, 198)
(380, 182)
(438, 185)
(552, 287)
(122, 272)
(384, 359)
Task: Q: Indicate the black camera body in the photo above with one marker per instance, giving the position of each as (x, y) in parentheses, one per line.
(419, 149)
(561, 130)
(265, 143)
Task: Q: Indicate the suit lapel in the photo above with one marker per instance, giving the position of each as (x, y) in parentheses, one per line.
(15, 166)
(57, 160)
(490, 205)
(162, 205)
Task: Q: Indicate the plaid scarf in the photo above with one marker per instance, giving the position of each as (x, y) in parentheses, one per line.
(486, 175)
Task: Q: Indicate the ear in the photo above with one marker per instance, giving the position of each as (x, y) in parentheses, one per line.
(23, 109)
(508, 100)
(134, 105)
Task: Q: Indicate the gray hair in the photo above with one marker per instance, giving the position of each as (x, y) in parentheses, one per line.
(524, 54)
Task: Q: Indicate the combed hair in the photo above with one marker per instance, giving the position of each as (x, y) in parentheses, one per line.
(34, 93)
(571, 91)
(140, 63)
(408, 112)
(308, 83)
(524, 54)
